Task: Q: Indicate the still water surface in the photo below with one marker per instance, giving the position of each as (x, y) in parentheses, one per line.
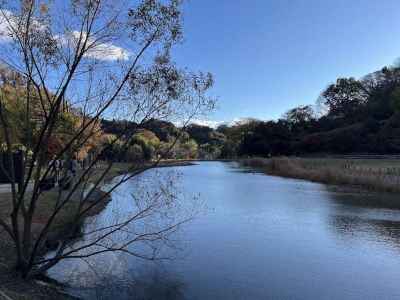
(256, 237)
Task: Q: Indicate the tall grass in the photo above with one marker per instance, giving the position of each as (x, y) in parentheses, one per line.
(369, 175)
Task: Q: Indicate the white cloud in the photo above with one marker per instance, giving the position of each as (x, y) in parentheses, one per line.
(209, 123)
(215, 124)
(241, 121)
(108, 51)
(7, 19)
(101, 51)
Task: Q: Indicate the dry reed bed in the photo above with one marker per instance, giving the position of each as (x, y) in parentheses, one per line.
(376, 176)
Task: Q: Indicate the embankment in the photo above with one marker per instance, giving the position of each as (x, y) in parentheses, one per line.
(379, 176)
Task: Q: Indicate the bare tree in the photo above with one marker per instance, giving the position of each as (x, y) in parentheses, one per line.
(100, 59)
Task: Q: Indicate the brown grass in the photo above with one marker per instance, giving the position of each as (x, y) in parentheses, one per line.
(375, 175)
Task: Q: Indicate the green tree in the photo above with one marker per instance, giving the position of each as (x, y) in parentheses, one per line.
(345, 98)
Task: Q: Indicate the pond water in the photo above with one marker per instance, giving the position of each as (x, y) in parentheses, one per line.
(254, 237)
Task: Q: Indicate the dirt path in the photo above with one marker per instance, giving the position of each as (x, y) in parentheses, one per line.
(6, 188)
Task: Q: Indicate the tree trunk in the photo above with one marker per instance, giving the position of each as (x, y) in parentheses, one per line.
(23, 267)
(27, 237)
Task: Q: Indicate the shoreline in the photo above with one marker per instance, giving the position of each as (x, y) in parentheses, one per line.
(347, 174)
(46, 287)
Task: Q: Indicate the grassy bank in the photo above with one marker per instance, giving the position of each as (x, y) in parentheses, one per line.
(381, 175)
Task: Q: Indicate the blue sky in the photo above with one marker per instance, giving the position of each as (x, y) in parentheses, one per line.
(268, 56)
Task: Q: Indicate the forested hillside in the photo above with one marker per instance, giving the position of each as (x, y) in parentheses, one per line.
(354, 116)
(154, 137)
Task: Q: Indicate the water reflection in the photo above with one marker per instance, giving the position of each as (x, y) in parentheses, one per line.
(261, 237)
(141, 283)
(380, 230)
(371, 217)
(145, 215)
(363, 199)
